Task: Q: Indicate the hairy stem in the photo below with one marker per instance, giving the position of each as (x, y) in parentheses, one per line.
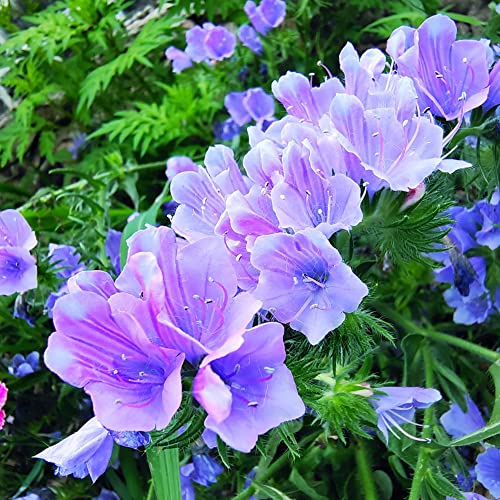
(275, 467)
(423, 454)
(365, 471)
(411, 327)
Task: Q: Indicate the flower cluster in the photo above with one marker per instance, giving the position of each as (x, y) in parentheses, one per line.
(18, 272)
(212, 43)
(473, 228)
(125, 342)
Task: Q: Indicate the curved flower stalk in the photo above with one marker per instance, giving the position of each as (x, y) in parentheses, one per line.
(451, 77)
(87, 451)
(397, 406)
(18, 272)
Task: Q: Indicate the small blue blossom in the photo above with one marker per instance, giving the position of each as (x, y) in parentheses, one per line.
(79, 143)
(226, 130)
(458, 423)
(488, 470)
(397, 406)
(21, 366)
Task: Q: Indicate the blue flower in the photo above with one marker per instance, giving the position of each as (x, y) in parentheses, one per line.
(458, 423)
(397, 406)
(488, 470)
(21, 366)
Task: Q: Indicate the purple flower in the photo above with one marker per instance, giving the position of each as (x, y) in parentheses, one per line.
(187, 488)
(178, 164)
(252, 104)
(304, 282)
(494, 93)
(451, 77)
(250, 39)
(226, 130)
(250, 390)
(66, 261)
(397, 406)
(180, 60)
(79, 143)
(308, 197)
(488, 470)
(107, 495)
(21, 366)
(206, 469)
(489, 234)
(102, 344)
(21, 309)
(18, 272)
(190, 293)
(458, 423)
(269, 14)
(209, 43)
(86, 452)
(202, 194)
(112, 248)
(476, 306)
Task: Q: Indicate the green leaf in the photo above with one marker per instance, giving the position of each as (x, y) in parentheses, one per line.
(139, 222)
(165, 471)
(442, 486)
(222, 449)
(303, 486)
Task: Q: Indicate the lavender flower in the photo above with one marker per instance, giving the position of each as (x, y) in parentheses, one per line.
(79, 143)
(209, 43)
(269, 14)
(204, 470)
(66, 260)
(112, 248)
(489, 234)
(458, 423)
(250, 39)
(451, 76)
(252, 104)
(304, 282)
(18, 272)
(178, 164)
(21, 366)
(250, 390)
(494, 93)
(226, 130)
(187, 488)
(398, 406)
(180, 60)
(101, 343)
(488, 470)
(87, 452)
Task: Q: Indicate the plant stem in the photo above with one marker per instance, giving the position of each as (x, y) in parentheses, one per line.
(275, 467)
(165, 472)
(365, 471)
(410, 327)
(423, 454)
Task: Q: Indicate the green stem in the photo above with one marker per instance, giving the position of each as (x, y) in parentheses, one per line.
(275, 467)
(165, 472)
(365, 471)
(423, 454)
(78, 185)
(410, 327)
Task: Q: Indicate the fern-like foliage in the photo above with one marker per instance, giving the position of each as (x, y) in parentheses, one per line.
(155, 34)
(183, 112)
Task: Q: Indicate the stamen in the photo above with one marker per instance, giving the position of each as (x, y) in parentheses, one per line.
(328, 72)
